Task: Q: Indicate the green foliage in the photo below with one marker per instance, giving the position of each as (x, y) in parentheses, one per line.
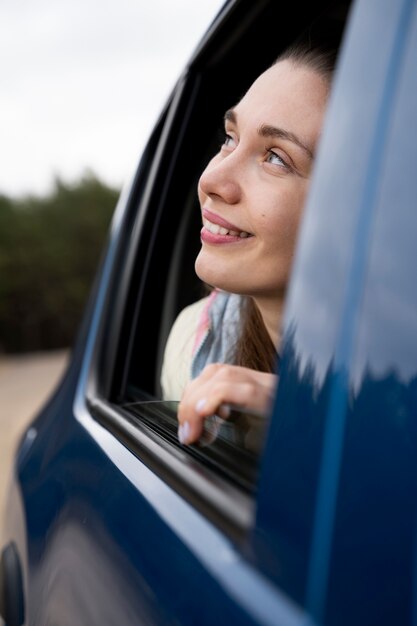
(50, 248)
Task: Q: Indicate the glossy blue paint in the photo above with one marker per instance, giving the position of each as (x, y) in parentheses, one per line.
(98, 520)
(339, 395)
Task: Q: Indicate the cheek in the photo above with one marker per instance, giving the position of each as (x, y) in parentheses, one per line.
(284, 212)
(280, 224)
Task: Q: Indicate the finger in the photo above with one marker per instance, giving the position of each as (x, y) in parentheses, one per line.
(193, 415)
(217, 385)
(249, 395)
(190, 431)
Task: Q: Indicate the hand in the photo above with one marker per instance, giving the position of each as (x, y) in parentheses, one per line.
(218, 385)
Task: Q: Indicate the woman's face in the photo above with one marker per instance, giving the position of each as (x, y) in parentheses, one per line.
(252, 192)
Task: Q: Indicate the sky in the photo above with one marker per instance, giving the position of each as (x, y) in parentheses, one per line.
(84, 81)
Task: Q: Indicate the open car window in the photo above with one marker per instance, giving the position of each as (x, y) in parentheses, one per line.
(157, 249)
(230, 447)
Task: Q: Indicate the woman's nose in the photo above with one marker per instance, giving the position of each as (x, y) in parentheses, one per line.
(220, 179)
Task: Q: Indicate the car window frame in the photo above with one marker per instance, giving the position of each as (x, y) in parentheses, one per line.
(209, 494)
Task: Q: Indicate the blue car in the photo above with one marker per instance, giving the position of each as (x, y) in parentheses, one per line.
(110, 520)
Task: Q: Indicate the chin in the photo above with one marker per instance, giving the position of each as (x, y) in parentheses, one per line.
(211, 273)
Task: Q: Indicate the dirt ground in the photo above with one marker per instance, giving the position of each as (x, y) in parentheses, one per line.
(26, 381)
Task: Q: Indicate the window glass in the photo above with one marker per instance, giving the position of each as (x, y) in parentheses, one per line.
(230, 447)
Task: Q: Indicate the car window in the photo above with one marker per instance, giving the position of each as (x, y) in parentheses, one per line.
(230, 447)
(156, 277)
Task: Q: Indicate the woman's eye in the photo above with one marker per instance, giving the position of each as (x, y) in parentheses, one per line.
(228, 141)
(275, 159)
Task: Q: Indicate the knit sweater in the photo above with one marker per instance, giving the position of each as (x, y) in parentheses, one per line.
(204, 332)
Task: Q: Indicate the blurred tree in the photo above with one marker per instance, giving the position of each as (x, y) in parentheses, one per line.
(50, 248)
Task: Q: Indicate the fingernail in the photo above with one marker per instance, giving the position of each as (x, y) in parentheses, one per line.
(183, 432)
(200, 405)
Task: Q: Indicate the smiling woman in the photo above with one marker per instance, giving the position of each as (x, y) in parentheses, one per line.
(251, 196)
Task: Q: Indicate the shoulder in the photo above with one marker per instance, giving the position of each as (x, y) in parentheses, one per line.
(190, 315)
(203, 332)
(179, 349)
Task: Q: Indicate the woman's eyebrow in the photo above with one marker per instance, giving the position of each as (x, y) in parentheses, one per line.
(266, 130)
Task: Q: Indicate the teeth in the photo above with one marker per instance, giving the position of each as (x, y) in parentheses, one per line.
(220, 230)
(213, 228)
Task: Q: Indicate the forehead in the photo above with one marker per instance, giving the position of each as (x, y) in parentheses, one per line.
(288, 96)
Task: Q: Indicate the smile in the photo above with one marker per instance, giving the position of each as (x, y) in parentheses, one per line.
(216, 229)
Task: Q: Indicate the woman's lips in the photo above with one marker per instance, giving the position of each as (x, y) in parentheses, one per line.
(225, 232)
(208, 237)
(216, 225)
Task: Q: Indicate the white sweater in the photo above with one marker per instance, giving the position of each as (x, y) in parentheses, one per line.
(176, 367)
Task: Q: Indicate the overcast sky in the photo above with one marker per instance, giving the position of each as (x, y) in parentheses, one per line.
(83, 82)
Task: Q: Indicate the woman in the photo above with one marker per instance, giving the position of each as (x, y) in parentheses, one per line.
(251, 196)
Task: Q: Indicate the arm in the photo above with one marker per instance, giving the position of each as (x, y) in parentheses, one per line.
(218, 385)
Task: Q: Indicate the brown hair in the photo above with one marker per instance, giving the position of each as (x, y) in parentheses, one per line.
(318, 59)
(254, 347)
